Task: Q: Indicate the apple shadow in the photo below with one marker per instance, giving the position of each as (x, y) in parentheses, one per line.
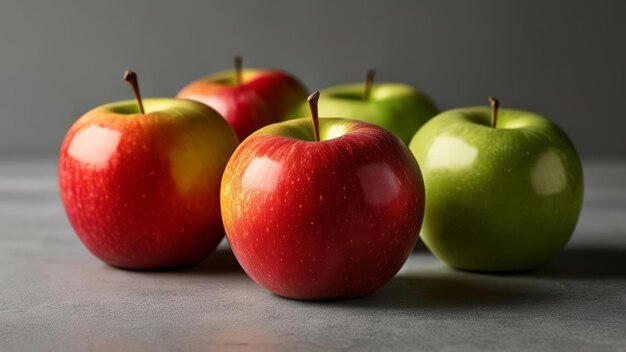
(586, 263)
(446, 289)
(420, 247)
(221, 262)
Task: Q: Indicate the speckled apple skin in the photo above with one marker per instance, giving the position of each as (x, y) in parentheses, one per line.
(322, 220)
(142, 191)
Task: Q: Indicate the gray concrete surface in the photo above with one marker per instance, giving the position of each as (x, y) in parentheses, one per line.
(56, 296)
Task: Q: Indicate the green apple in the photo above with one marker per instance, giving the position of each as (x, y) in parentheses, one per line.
(399, 108)
(503, 190)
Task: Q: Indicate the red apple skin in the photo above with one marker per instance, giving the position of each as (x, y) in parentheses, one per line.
(264, 97)
(322, 220)
(142, 191)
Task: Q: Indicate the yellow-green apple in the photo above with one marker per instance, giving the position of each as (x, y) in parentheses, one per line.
(248, 99)
(140, 181)
(400, 108)
(504, 188)
(327, 212)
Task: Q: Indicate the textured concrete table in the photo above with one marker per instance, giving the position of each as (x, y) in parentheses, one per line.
(54, 295)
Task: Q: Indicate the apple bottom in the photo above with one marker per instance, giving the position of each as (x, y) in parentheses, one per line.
(170, 257)
(327, 274)
(132, 221)
(498, 225)
(158, 246)
(485, 247)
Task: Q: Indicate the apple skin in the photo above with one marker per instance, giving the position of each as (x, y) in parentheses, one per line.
(142, 191)
(264, 97)
(322, 220)
(500, 199)
(399, 108)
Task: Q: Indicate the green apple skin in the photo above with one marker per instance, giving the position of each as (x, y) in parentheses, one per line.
(498, 199)
(399, 108)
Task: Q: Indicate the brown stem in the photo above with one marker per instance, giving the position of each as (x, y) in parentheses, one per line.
(369, 81)
(131, 77)
(238, 69)
(312, 99)
(494, 110)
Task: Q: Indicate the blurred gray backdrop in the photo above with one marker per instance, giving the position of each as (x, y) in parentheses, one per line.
(563, 59)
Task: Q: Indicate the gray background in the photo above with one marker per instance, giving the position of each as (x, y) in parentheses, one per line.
(564, 59)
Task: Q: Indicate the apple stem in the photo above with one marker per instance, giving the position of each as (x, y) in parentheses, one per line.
(369, 81)
(238, 69)
(312, 99)
(494, 110)
(131, 78)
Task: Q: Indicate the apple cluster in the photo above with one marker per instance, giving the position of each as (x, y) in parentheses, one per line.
(327, 206)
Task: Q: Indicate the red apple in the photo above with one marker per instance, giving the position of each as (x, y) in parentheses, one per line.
(141, 188)
(248, 99)
(329, 212)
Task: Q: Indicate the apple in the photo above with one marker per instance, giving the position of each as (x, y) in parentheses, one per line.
(248, 99)
(140, 181)
(504, 188)
(400, 108)
(328, 212)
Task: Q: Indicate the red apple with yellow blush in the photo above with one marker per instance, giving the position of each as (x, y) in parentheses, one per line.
(140, 180)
